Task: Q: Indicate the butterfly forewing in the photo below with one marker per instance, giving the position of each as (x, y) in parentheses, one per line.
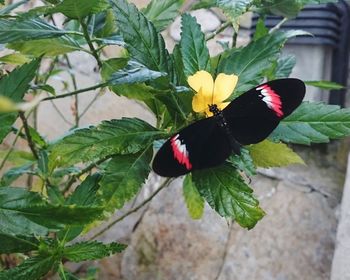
(200, 145)
(255, 114)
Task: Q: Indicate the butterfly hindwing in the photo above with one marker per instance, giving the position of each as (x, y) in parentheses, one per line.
(255, 114)
(200, 145)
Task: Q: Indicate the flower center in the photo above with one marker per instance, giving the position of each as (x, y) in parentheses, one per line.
(214, 109)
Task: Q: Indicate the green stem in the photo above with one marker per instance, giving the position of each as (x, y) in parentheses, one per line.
(221, 28)
(83, 171)
(28, 136)
(76, 92)
(133, 210)
(91, 45)
(10, 150)
(75, 86)
(278, 25)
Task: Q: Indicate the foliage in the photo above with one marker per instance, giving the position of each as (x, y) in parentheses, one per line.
(85, 175)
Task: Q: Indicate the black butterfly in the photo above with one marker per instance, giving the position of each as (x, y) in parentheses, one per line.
(248, 119)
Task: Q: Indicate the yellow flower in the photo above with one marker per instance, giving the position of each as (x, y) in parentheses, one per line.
(210, 92)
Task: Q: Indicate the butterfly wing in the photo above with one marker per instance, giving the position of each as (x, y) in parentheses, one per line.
(200, 145)
(255, 114)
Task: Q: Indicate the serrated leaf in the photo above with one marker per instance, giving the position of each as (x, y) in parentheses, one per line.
(85, 194)
(285, 66)
(328, 85)
(14, 86)
(195, 54)
(234, 9)
(243, 162)
(14, 173)
(17, 157)
(124, 177)
(92, 250)
(142, 40)
(261, 30)
(27, 29)
(226, 192)
(46, 47)
(251, 61)
(13, 243)
(125, 136)
(134, 72)
(162, 13)
(80, 9)
(286, 8)
(24, 212)
(313, 123)
(269, 154)
(31, 269)
(193, 199)
(15, 59)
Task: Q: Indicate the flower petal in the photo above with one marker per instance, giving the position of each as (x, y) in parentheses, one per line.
(224, 86)
(202, 80)
(199, 102)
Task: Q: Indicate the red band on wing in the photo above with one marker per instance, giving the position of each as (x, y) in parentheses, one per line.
(272, 99)
(180, 152)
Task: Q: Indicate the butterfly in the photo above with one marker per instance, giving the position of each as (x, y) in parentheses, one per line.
(248, 119)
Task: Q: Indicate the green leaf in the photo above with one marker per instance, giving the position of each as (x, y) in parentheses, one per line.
(15, 59)
(193, 199)
(261, 29)
(162, 13)
(195, 54)
(123, 136)
(92, 250)
(124, 176)
(179, 77)
(324, 84)
(17, 157)
(46, 47)
(243, 162)
(31, 269)
(80, 9)
(24, 212)
(269, 154)
(14, 173)
(85, 194)
(234, 9)
(11, 7)
(14, 86)
(142, 40)
(286, 8)
(251, 61)
(11, 243)
(28, 29)
(226, 192)
(285, 66)
(134, 72)
(313, 123)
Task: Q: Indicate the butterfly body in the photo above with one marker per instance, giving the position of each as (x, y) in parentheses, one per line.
(248, 119)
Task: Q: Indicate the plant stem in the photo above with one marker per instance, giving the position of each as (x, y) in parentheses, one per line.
(11, 148)
(278, 25)
(75, 92)
(83, 171)
(133, 210)
(91, 45)
(75, 86)
(221, 28)
(27, 133)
